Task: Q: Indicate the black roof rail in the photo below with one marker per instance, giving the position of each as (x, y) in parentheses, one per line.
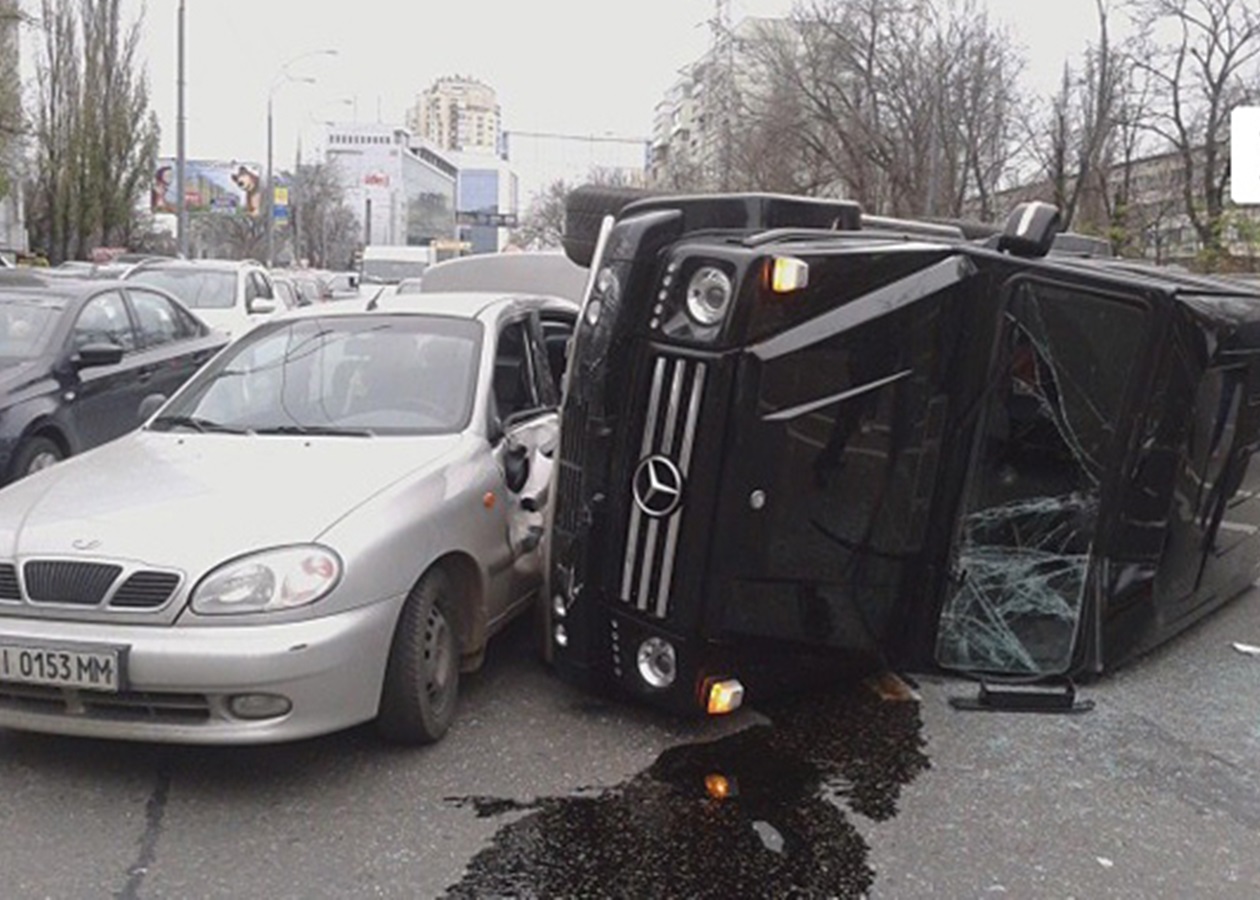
(1070, 243)
(913, 226)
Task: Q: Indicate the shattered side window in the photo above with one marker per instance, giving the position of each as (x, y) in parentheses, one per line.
(1047, 444)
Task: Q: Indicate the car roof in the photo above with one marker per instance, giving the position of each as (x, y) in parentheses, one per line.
(538, 273)
(471, 304)
(462, 305)
(65, 286)
(209, 265)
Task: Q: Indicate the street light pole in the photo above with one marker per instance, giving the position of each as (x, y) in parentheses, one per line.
(270, 196)
(284, 77)
(181, 201)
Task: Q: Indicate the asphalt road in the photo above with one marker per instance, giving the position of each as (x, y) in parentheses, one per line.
(540, 790)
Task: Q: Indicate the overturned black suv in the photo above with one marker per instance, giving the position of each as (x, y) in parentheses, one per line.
(797, 434)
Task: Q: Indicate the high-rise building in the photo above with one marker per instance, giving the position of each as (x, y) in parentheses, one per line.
(695, 122)
(458, 113)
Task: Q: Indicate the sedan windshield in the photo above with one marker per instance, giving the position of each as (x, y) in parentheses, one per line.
(25, 325)
(341, 375)
(198, 288)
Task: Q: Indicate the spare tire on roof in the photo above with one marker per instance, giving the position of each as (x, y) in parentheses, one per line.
(584, 210)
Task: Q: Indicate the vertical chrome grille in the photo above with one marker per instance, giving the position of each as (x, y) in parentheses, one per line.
(57, 581)
(9, 589)
(145, 590)
(669, 430)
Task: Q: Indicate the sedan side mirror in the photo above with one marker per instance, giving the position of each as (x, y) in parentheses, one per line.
(516, 467)
(261, 306)
(149, 405)
(101, 354)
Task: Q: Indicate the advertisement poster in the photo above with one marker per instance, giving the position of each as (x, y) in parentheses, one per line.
(209, 186)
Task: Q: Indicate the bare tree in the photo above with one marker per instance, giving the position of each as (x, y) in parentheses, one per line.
(1198, 74)
(1075, 143)
(229, 235)
(12, 126)
(542, 226)
(907, 106)
(95, 136)
(322, 226)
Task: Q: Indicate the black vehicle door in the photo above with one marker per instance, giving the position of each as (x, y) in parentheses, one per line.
(103, 402)
(1048, 449)
(173, 344)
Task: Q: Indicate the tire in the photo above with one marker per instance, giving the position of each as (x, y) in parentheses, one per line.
(584, 211)
(421, 686)
(34, 454)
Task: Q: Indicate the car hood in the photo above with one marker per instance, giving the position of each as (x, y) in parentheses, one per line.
(192, 500)
(16, 375)
(230, 320)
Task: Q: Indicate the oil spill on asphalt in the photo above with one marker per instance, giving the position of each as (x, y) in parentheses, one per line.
(781, 830)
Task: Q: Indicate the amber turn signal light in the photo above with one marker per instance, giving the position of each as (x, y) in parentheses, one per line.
(725, 697)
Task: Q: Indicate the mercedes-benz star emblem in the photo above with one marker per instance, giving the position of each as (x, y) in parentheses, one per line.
(658, 486)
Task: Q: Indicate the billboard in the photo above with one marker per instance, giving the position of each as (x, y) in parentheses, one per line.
(209, 186)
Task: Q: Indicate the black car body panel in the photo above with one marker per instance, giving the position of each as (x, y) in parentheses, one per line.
(48, 392)
(939, 454)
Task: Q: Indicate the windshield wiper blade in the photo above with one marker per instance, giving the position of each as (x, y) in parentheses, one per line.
(197, 424)
(323, 430)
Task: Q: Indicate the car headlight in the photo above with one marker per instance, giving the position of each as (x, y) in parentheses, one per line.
(271, 580)
(709, 295)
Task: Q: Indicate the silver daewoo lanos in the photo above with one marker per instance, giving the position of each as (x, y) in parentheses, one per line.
(323, 527)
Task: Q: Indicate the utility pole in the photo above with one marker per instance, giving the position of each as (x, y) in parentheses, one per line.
(181, 200)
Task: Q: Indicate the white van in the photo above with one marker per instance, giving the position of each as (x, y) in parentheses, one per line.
(390, 264)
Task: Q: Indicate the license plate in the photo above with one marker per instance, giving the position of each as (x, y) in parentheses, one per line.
(94, 668)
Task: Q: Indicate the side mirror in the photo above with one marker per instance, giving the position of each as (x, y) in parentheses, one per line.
(261, 306)
(516, 467)
(97, 355)
(495, 431)
(149, 405)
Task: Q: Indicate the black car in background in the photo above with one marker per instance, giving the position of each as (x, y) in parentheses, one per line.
(79, 356)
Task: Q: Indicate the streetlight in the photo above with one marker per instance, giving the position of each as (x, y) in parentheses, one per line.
(283, 77)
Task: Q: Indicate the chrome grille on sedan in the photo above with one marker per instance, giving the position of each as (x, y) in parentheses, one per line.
(9, 589)
(669, 434)
(145, 590)
(64, 581)
(86, 585)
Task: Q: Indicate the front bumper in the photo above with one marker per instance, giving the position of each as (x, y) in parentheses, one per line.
(179, 680)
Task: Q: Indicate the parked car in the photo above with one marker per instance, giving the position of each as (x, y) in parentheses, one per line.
(312, 286)
(343, 285)
(227, 295)
(287, 291)
(322, 528)
(77, 359)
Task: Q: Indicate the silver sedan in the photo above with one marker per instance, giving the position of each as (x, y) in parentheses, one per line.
(322, 528)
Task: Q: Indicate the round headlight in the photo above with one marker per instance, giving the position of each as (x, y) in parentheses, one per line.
(709, 295)
(657, 664)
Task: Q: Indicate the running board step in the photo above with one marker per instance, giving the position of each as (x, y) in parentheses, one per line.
(1035, 698)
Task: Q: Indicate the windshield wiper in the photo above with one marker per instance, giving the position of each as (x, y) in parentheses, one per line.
(324, 430)
(197, 424)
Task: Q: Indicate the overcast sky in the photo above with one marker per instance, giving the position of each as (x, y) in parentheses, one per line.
(586, 67)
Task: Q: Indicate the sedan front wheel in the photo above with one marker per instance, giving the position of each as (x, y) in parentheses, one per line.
(34, 454)
(422, 676)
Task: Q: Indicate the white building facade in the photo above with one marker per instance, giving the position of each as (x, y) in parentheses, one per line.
(402, 190)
